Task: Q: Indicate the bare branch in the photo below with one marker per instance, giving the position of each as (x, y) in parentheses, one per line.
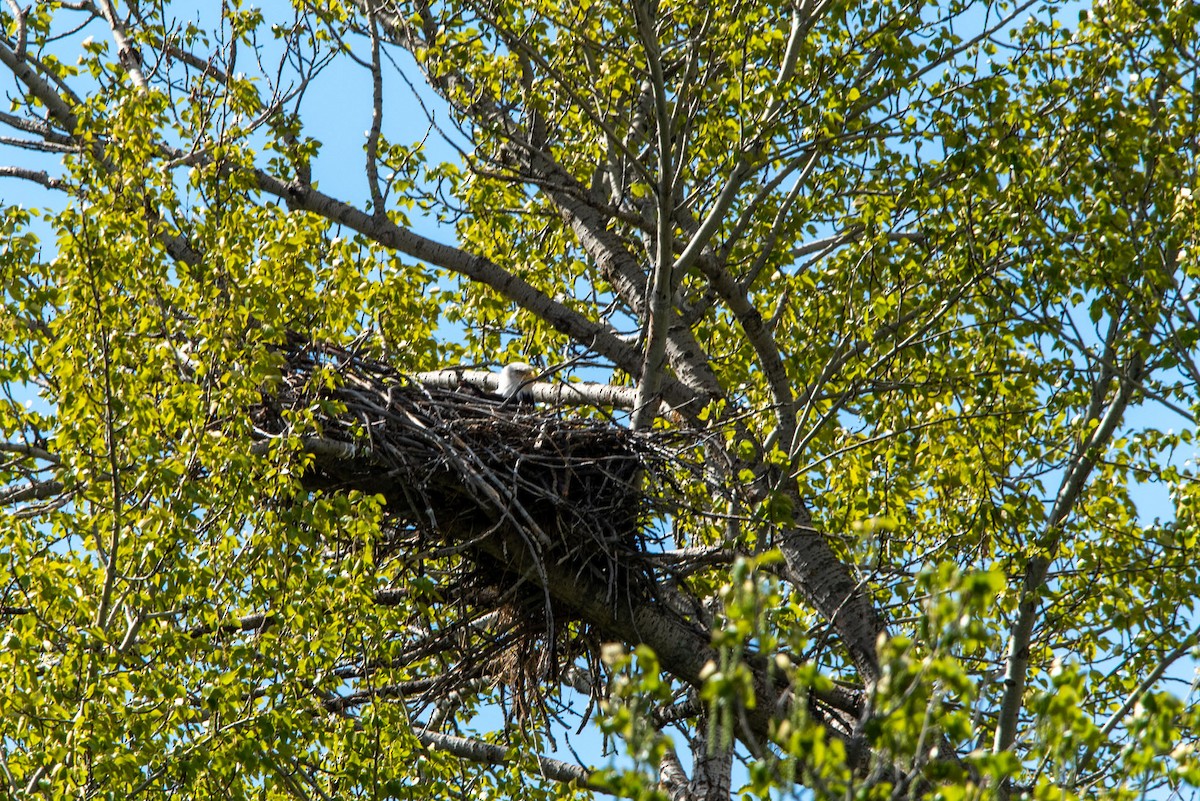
(32, 451)
(40, 177)
(659, 310)
(36, 127)
(377, 200)
(36, 145)
(672, 777)
(556, 394)
(130, 57)
(59, 109)
(489, 754)
(32, 491)
(20, 15)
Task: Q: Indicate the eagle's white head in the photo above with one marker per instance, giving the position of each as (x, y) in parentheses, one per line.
(511, 379)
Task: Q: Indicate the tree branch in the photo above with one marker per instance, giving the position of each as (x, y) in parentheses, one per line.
(1070, 491)
(594, 335)
(489, 754)
(129, 56)
(59, 109)
(555, 394)
(659, 310)
(377, 201)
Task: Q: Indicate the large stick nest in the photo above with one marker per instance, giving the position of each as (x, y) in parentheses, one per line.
(514, 497)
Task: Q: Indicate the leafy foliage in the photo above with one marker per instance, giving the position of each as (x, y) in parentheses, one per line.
(915, 283)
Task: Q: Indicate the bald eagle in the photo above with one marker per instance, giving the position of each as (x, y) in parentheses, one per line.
(514, 380)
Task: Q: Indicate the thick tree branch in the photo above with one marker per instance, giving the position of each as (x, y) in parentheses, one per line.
(555, 394)
(31, 491)
(60, 109)
(592, 227)
(490, 754)
(39, 177)
(32, 451)
(131, 58)
(659, 310)
(671, 776)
